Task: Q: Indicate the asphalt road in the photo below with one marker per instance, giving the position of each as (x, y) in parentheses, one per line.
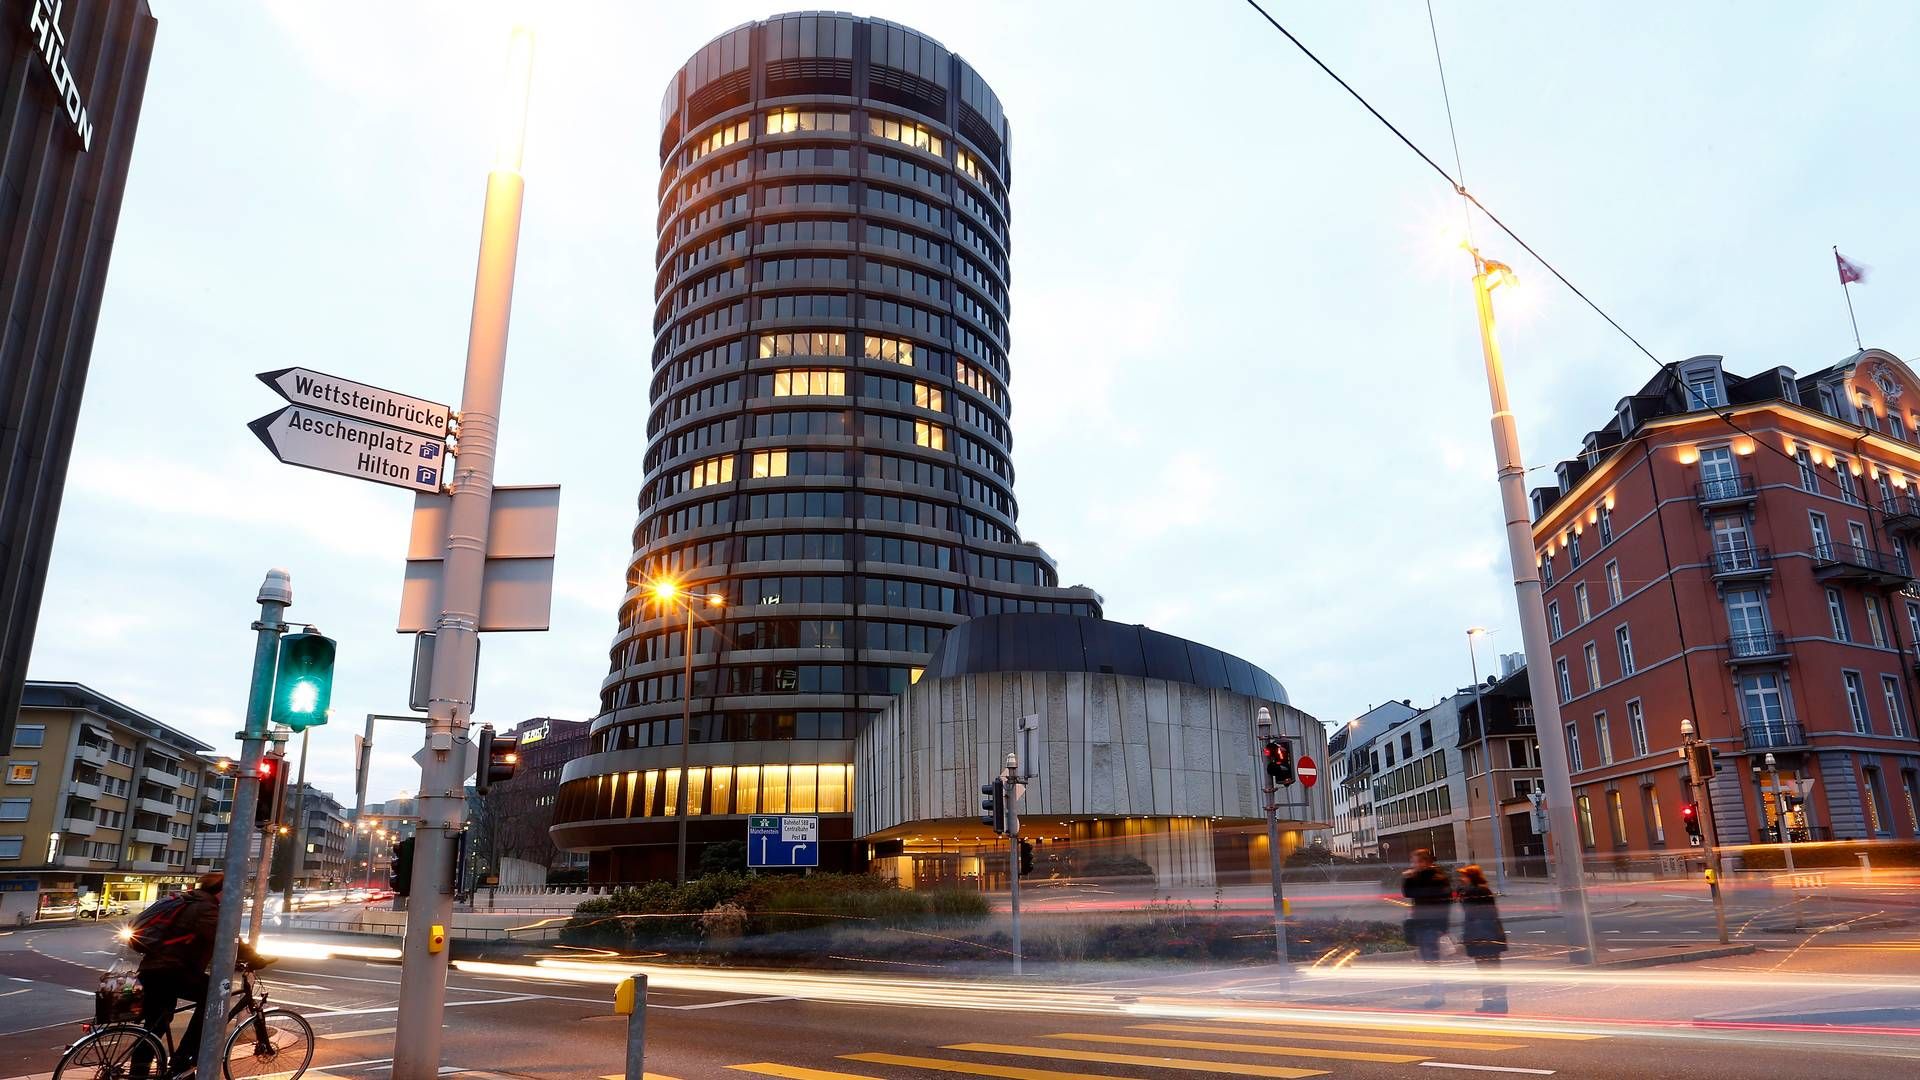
(1822, 1007)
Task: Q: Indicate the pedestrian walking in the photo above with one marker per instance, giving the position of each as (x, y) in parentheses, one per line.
(1482, 936)
(1429, 891)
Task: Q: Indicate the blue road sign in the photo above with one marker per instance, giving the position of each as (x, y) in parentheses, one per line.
(783, 841)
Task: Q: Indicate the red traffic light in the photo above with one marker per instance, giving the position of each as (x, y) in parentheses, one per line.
(265, 768)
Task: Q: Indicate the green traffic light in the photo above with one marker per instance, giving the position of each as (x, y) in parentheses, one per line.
(303, 686)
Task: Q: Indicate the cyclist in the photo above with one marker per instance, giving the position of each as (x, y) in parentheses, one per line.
(174, 968)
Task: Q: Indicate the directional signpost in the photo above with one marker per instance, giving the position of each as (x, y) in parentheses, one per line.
(783, 841)
(339, 426)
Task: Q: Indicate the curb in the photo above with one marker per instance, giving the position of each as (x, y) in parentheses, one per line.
(1840, 928)
(1686, 955)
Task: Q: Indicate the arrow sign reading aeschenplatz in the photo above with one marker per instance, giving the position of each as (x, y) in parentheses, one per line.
(335, 444)
(359, 401)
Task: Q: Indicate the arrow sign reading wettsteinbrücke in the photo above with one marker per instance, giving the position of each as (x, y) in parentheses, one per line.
(330, 393)
(335, 444)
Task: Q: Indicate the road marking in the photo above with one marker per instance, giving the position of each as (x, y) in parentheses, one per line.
(468, 989)
(396, 1008)
(1486, 1068)
(33, 1076)
(623, 1076)
(22, 990)
(1501, 1030)
(792, 1072)
(1243, 1048)
(719, 1004)
(82, 993)
(1369, 1039)
(17, 978)
(974, 1068)
(361, 1034)
(1231, 1068)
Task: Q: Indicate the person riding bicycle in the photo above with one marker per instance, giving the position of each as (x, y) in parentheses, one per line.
(174, 968)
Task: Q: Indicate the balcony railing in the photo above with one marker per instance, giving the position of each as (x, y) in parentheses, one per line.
(1724, 489)
(1742, 562)
(1755, 647)
(1902, 514)
(1775, 735)
(1837, 561)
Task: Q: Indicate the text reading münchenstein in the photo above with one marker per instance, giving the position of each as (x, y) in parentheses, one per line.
(335, 394)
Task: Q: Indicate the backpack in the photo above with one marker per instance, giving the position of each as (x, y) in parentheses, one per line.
(153, 932)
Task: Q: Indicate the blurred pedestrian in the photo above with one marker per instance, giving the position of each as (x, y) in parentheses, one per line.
(1429, 891)
(1482, 936)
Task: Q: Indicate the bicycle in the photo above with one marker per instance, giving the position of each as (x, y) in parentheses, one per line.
(264, 1041)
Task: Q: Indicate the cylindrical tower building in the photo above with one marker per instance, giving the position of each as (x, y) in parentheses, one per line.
(828, 442)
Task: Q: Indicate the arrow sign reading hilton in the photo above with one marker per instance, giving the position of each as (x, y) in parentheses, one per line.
(335, 444)
(340, 426)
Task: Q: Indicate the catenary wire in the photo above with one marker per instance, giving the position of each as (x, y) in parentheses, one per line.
(1462, 191)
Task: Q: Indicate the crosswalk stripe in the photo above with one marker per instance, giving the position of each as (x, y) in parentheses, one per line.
(1060, 1053)
(974, 1068)
(361, 1034)
(1243, 1048)
(1515, 1032)
(792, 1072)
(1316, 1036)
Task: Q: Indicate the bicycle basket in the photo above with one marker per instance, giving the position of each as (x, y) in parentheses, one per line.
(119, 998)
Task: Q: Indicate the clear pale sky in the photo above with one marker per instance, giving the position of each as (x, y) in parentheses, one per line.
(1248, 401)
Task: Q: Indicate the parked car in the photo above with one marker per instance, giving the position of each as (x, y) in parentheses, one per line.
(97, 906)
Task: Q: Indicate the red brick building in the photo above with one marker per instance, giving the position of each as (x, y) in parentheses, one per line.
(1738, 551)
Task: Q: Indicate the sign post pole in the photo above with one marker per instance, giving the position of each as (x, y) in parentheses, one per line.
(442, 805)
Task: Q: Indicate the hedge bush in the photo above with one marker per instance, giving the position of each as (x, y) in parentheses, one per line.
(727, 905)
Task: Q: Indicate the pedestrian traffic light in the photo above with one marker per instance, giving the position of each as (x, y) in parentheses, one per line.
(303, 685)
(1279, 758)
(1690, 817)
(1026, 858)
(273, 787)
(496, 761)
(403, 867)
(993, 805)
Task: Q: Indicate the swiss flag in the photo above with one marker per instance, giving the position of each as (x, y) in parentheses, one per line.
(1850, 272)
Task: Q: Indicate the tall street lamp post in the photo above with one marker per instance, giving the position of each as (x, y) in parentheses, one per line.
(1494, 820)
(668, 593)
(1563, 831)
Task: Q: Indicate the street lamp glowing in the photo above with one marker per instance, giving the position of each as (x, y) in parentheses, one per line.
(715, 599)
(665, 590)
(1478, 631)
(510, 143)
(1498, 274)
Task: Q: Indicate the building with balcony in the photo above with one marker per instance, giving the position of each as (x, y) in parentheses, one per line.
(1502, 769)
(1352, 763)
(98, 798)
(76, 75)
(828, 440)
(1738, 551)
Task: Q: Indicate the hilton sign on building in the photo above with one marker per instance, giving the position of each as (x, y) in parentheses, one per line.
(76, 71)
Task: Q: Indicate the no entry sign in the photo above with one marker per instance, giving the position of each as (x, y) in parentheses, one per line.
(1307, 771)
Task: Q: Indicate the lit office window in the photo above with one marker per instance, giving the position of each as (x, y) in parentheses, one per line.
(908, 133)
(794, 382)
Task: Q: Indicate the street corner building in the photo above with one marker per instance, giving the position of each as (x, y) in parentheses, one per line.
(828, 442)
(1738, 551)
(76, 71)
(1143, 751)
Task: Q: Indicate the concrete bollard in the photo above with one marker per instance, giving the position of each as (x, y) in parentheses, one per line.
(630, 1000)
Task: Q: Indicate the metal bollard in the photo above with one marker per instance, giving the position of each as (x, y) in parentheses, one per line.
(1866, 868)
(630, 1000)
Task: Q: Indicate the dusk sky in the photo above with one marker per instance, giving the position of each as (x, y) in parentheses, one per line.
(1248, 399)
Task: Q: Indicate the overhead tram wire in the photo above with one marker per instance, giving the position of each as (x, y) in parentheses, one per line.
(1462, 191)
(1453, 133)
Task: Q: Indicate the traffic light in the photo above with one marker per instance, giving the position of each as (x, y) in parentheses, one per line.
(497, 760)
(403, 867)
(1690, 817)
(1279, 758)
(273, 788)
(993, 805)
(303, 685)
(1026, 858)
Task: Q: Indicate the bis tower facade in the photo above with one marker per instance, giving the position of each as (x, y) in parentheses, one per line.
(827, 438)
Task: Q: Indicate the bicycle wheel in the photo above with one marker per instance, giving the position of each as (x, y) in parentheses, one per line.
(113, 1052)
(275, 1043)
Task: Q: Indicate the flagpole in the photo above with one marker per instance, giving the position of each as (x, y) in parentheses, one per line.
(1848, 293)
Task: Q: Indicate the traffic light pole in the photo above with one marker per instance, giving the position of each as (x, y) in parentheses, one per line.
(1697, 780)
(1557, 774)
(296, 855)
(442, 802)
(276, 595)
(361, 761)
